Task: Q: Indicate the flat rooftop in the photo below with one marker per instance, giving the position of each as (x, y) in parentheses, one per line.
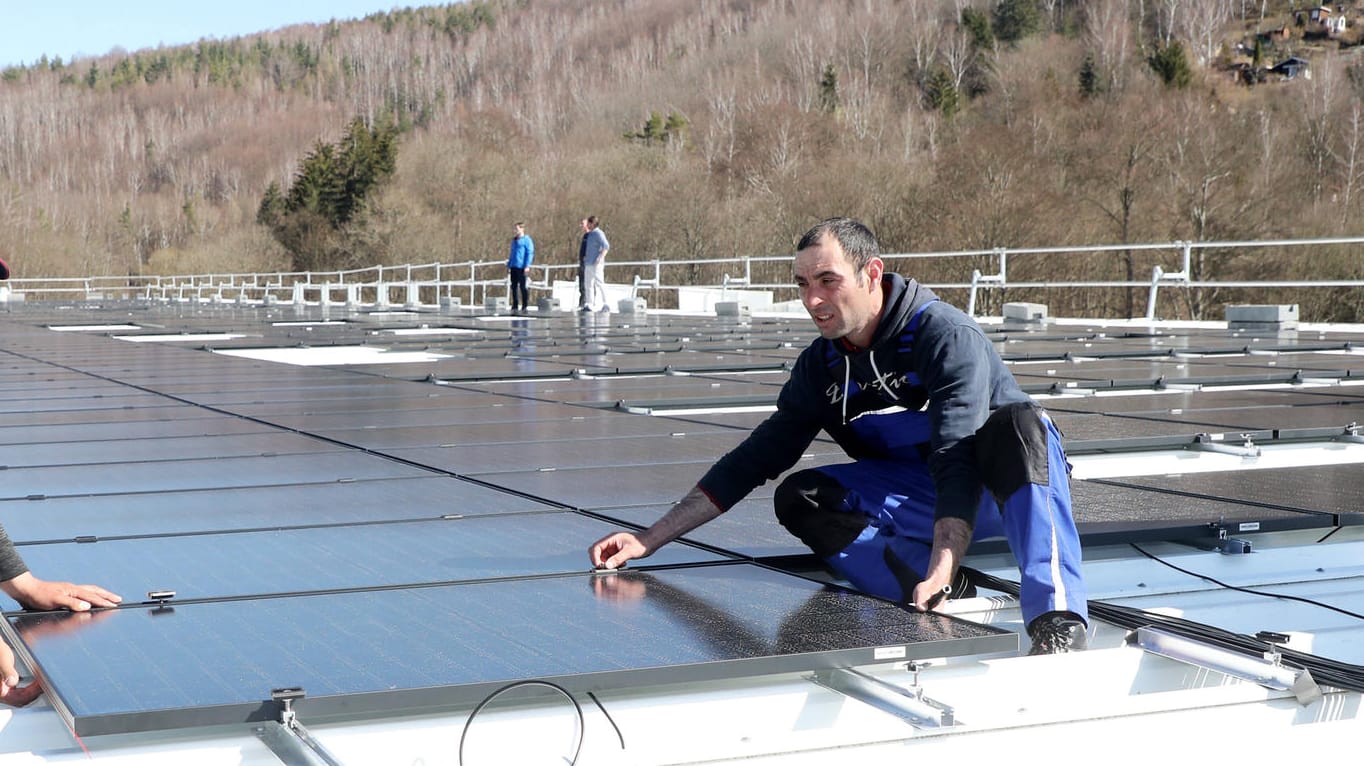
(386, 513)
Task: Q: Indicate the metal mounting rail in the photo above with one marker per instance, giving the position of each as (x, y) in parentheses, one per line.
(910, 705)
(1267, 671)
(1211, 443)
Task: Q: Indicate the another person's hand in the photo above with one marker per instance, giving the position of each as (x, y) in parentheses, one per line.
(30, 629)
(612, 551)
(11, 693)
(46, 595)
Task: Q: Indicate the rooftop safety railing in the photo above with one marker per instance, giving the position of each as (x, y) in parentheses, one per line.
(1187, 266)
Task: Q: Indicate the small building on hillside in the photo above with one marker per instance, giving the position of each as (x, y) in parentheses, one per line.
(1321, 21)
(1292, 68)
(1272, 36)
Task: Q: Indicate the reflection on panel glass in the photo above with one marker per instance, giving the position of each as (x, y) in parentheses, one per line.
(362, 653)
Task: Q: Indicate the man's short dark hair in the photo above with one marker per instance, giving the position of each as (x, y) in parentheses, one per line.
(591, 220)
(857, 241)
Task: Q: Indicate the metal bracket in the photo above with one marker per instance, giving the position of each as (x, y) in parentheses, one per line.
(1209, 443)
(1231, 545)
(1351, 434)
(288, 739)
(909, 705)
(1266, 671)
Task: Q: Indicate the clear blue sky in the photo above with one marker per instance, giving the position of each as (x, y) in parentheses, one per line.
(71, 28)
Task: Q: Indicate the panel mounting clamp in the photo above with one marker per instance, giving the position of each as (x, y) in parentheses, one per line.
(1351, 433)
(288, 739)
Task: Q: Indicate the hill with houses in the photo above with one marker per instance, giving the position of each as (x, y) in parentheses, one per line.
(703, 130)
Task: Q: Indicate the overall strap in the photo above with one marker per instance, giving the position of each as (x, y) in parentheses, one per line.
(912, 327)
(906, 346)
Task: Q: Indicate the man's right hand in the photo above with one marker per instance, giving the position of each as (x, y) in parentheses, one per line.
(612, 551)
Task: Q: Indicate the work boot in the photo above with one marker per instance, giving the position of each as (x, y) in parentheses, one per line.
(1057, 633)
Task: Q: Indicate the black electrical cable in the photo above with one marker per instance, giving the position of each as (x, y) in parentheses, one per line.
(602, 708)
(576, 708)
(1251, 591)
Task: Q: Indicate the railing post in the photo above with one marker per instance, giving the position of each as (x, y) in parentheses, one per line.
(1156, 274)
(971, 299)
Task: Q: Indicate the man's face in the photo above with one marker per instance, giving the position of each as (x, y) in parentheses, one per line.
(584, 225)
(841, 304)
(520, 231)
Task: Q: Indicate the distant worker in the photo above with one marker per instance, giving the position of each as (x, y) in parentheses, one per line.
(914, 392)
(584, 281)
(518, 260)
(595, 247)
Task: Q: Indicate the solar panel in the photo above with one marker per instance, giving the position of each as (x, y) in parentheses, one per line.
(621, 452)
(333, 558)
(363, 653)
(613, 388)
(162, 476)
(171, 448)
(748, 529)
(587, 425)
(508, 411)
(164, 409)
(644, 484)
(1109, 512)
(378, 584)
(201, 424)
(247, 508)
(1084, 431)
(1188, 401)
(1320, 489)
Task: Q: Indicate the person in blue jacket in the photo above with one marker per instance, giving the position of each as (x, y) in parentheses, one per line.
(518, 260)
(946, 449)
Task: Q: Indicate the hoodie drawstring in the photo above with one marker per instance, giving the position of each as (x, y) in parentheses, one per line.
(847, 381)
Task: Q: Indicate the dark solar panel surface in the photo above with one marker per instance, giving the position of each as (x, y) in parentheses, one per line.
(1170, 400)
(1130, 511)
(361, 652)
(530, 453)
(1322, 489)
(414, 534)
(170, 448)
(338, 557)
(263, 507)
(214, 473)
(200, 423)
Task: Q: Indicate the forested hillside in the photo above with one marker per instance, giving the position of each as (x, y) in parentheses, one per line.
(693, 129)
